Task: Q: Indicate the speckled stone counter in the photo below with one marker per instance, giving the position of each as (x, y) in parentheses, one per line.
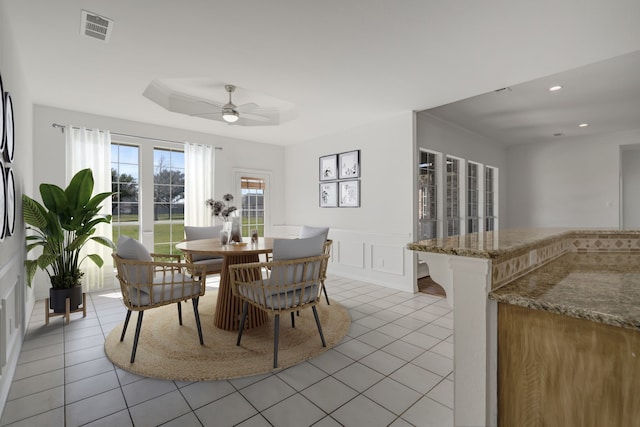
(498, 244)
(601, 287)
(570, 274)
(516, 252)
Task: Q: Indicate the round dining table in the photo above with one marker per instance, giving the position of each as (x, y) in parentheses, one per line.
(228, 307)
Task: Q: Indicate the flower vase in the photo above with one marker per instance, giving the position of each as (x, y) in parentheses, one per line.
(225, 233)
(236, 234)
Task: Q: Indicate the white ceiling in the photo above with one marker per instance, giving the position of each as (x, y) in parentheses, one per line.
(341, 63)
(604, 95)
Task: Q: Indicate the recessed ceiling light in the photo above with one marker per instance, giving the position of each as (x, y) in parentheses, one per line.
(555, 88)
(583, 125)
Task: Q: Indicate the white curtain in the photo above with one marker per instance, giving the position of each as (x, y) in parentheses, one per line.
(198, 183)
(91, 148)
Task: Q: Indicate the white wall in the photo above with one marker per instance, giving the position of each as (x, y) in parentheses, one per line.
(369, 242)
(573, 182)
(441, 136)
(50, 159)
(16, 300)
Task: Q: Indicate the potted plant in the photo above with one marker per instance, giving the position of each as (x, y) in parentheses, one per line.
(62, 227)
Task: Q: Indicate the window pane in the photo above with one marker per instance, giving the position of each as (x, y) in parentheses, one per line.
(489, 200)
(472, 197)
(125, 186)
(427, 196)
(453, 197)
(253, 191)
(168, 197)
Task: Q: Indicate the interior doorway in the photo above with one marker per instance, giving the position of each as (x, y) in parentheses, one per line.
(630, 186)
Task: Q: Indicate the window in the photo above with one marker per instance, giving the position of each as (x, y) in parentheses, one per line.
(125, 181)
(489, 201)
(252, 205)
(427, 196)
(453, 196)
(168, 199)
(472, 197)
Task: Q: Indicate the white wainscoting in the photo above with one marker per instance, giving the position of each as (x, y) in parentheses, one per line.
(11, 308)
(378, 258)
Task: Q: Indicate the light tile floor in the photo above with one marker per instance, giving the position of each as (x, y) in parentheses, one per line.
(394, 368)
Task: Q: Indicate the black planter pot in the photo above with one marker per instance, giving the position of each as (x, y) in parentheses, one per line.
(58, 296)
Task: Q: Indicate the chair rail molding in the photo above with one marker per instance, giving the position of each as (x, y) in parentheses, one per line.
(379, 258)
(11, 333)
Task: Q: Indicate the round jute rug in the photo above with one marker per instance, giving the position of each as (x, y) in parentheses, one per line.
(169, 351)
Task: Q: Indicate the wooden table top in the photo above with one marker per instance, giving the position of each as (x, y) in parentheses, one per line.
(213, 247)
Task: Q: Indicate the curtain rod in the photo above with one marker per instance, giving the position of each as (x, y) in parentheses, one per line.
(62, 128)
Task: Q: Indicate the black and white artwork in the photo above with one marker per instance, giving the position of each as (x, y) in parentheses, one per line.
(329, 167)
(328, 194)
(349, 164)
(350, 194)
(9, 137)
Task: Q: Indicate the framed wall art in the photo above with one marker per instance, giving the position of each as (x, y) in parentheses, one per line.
(2, 131)
(3, 203)
(9, 137)
(328, 194)
(11, 203)
(349, 193)
(349, 164)
(329, 167)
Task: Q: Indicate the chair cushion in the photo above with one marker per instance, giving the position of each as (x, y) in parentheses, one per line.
(213, 265)
(199, 233)
(284, 249)
(163, 291)
(284, 300)
(308, 231)
(129, 248)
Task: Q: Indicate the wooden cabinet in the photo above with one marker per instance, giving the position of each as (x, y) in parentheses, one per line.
(555, 370)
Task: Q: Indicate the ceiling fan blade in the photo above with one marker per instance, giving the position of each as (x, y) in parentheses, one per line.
(212, 103)
(210, 113)
(246, 107)
(256, 117)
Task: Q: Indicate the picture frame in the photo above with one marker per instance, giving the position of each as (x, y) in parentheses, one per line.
(9, 135)
(2, 123)
(3, 203)
(349, 164)
(328, 194)
(10, 208)
(349, 194)
(328, 168)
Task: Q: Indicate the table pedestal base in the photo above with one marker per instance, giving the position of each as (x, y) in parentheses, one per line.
(228, 307)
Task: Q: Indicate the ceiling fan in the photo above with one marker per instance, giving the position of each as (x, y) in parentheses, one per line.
(231, 112)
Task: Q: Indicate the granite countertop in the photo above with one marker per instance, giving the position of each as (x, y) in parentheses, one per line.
(602, 287)
(495, 244)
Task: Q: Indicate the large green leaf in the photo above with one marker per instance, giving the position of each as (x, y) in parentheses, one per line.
(97, 199)
(33, 212)
(79, 189)
(31, 266)
(104, 241)
(54, 198)
(97, 259)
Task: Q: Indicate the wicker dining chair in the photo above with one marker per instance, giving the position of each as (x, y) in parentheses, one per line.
(212, 263)
(148, 283)
(291, 285)
(326, 250)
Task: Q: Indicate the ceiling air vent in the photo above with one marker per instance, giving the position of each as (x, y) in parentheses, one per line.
(96, 26)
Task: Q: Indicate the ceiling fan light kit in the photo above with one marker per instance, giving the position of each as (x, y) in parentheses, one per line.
(195, 99)
(229, 115)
